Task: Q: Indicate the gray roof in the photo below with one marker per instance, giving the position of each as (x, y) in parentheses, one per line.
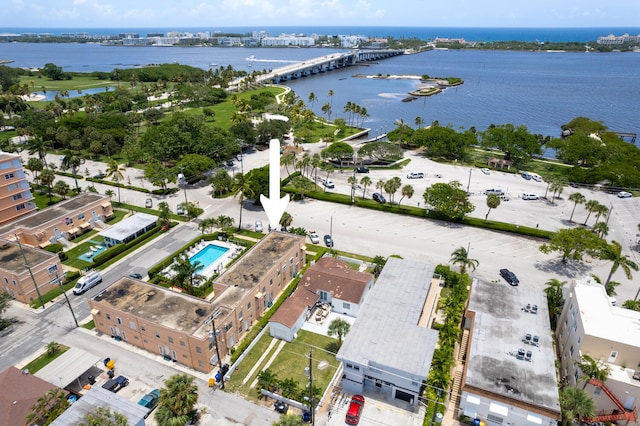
(501, 323)
(68, 367)
(129, 226)
(386, 332)
(99, 397)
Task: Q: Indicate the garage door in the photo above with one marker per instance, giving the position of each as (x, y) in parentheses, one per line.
(404, 396)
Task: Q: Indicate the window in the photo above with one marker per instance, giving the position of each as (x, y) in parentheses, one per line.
(12, 187)
(240, 315)
(132, 324)
(612, 357)
(6, 280)
(119, 321)
(52, 269)
(249, 305)
(81, 216)
(21, 207)
(291, 261)
(228, 327)
(170, 339)
(108, 316)
(157, 335)
(571, 350)
(346, 305)
(597, 390)
(201, 364)
(198, 349)
(270, 283)
(8, 176)
(240, 329)
(16, 197)
(142, 328)
(181, 342)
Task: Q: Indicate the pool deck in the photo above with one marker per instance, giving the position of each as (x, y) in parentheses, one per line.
(219, 264)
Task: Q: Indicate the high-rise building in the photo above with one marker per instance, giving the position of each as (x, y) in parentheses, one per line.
(16, 198)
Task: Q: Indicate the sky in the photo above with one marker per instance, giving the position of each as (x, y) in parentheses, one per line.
(298, 13)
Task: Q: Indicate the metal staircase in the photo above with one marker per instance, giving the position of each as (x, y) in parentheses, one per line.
(620, 414)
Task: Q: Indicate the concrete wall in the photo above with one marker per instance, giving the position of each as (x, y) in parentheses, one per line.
(20, 285)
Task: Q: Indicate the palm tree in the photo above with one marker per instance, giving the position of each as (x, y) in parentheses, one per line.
(241, 186)
(575, 404)
(493, 201)
(577, 198)
(592, 369)
(613, 253)
(48, 407)
(601, 228)
(186, 272)
(601, 210)
(339, 328)
(460, 256)
(312, 99)
(591, 206)
(555, 299)
(611, 289)
(47, 176)
(39, 146)
(407, 191)
(114, 170)
(286, 220)
(365, 181)
(223, 221)
(287, 160)
(177, 400)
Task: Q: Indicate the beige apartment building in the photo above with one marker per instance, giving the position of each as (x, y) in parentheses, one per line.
(15, 277)
(16, 198)
(178, 326)
(590, 324)
(60, 222)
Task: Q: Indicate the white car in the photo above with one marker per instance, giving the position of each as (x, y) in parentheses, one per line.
(415, 175)
(328, 183)
(485, 171)
(314, 237)
(624, 194)
(529, 196)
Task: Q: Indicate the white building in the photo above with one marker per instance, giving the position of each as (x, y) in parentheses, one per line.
(390, 346)
(129, 229)
(591, 325)
(509, 376)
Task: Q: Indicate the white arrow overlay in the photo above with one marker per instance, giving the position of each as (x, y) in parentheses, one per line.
(274, 206)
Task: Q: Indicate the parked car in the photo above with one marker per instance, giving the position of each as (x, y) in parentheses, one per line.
(361, 169)
(379, 197)
(259, 227)
(328, 183)
(526, 175)
(99, 176)
(624, 194)
(485, 170)
(114, 385)
(529, 196)
(536, 177)
(314, 237)
(355, 410)
(148, 203)
(493, 191)
(415, 175)
(229, 163)
(509, 277)
(281, 407)
(92, 279)
(328, 240)
(136, 276)
(150, 401)
(180, 209)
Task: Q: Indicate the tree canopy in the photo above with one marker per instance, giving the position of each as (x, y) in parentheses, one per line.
(448, 199)
(572, 243)
(516, 142)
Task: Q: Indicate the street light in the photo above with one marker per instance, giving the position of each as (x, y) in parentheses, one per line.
(183, 181)
(213, 339)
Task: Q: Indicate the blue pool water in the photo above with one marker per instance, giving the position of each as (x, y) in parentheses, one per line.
(96, 248)
(208, 255)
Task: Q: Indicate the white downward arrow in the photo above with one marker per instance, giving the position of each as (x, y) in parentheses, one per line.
(274, 206)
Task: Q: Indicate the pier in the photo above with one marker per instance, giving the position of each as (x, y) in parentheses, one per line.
(320, 65)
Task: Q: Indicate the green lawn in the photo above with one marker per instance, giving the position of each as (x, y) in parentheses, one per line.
(73, 85)
(290, 363)
(44, 359)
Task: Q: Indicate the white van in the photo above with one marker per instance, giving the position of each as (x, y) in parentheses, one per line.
(90, 280)
(494, 191)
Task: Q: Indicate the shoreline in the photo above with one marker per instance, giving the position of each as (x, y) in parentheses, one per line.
(427, 87)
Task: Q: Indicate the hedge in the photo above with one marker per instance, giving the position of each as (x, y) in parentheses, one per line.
(112, 252)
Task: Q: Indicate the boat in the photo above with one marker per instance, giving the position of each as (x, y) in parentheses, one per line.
(251, 58)
(213, 64)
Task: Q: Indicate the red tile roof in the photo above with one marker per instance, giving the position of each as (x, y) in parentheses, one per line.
(289, 312)
(334, 276)
(18, 393)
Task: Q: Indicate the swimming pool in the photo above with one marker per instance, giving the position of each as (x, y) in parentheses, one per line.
(208, 255)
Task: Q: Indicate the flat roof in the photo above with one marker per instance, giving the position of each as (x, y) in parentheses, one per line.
(157, 304)
(11, 258)
(501, 324)
(129, 226)
(603, 320)
(386, 332)
(68, 367)
(251, 268)
(61, 210)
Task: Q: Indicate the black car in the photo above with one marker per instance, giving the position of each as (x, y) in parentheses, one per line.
(281, 407)
(509, 277)
(379, 197)
(114, 385)
(136, 276)
(328, 241)
(99, 176)
(361, 169)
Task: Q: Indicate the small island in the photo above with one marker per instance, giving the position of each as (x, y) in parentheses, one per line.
(429, 86)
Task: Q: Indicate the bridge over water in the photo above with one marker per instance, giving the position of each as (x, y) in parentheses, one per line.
(323, 64)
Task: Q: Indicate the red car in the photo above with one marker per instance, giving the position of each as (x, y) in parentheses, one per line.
(355, 409)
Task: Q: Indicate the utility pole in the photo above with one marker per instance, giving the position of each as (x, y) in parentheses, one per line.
(213, 337)
(26, 264)
(311, 410)
(67, 299)
(469, 182)
(183, 181)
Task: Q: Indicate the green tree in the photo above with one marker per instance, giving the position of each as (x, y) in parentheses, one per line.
(493, 201)
(449, 199)
(339, 328)
(285, 220)
(48, 407)
(407, 191)
(601, 229)
(186, 273)
(104, 417)
(164, 213)
(115, 171)
(613, 253)
(52, 71)
(365, 182)
(555, 300)
(572, 243)
(288, 160)
(515, 142)
(338, 151)
(592, 369)
(72, 162)
(46, 178)
(633, 305)
(266, 379)
(577, 198)
(460, 257)
(289, 388)
(575, 404)
(177, 401)
(53, 348)
(391, 186)
(224, 222)
(5, 299)
(379, 262)
(243, 186)
(302, 184)
(61, 188)
(35, 165)
(591, 206)
(221, 182)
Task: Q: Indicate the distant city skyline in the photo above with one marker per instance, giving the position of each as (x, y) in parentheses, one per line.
(299, 13)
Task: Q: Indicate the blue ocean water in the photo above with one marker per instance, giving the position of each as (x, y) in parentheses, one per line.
(541, 90)
(423, 33)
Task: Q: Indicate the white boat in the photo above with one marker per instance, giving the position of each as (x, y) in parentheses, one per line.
(213, 64)
(251, 58)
